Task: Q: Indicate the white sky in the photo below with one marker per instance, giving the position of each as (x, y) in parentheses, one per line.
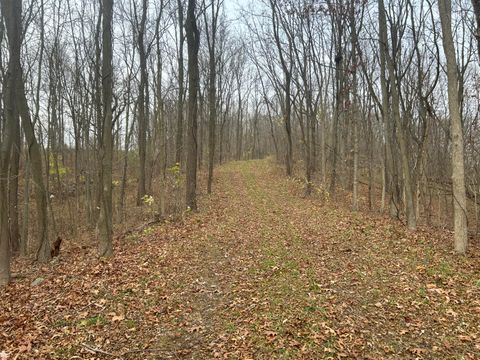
(232, 7)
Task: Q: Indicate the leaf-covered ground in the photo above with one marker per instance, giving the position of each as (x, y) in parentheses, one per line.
(259, 273)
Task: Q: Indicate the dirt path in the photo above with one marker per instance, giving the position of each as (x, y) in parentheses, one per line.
(259, 273)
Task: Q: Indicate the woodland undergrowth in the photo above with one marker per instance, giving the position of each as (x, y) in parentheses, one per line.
(260, 272)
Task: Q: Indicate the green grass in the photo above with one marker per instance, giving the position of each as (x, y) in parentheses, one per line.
(60, 323)
(130, 323)
(65, 352)
(442, 270)
(97, 320)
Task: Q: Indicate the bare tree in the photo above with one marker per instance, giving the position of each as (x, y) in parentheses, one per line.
(285, 53)
(181, 40)
(11, 11)
(142, 95)
(106, 146)
(193, 44)
(476, 10)
(15, 35)
(211, 29)
(458, 170)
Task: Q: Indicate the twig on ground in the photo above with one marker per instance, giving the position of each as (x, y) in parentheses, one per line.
(140, 228)
(99, 351)
(136, 351)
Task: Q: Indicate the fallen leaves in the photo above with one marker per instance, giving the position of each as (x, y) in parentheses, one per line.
(418, 351)
(270, 335)
(116, 317)
(258, 273)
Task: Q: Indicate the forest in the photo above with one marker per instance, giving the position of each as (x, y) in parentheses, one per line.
(239, 179)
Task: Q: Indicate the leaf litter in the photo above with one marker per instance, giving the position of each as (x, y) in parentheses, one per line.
(259, 273)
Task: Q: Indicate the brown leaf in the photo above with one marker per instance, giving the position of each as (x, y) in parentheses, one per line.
(271, 335)
(118, 317)
(418, 351)
(465, 338)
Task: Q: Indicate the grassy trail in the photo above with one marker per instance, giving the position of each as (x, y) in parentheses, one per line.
(259, 273)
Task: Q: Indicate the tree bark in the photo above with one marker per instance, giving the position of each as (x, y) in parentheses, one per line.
(390, 168)
(339, 83)
(287, 86)
(458, 170)
(105, 247)
(476, 10)
(43, 245)
(142, 112)
(11, 11)
(239, 126)
(212, 92)
(14, 30)
(13, 187)
(179, 135)
(193, 43)
(354, 112)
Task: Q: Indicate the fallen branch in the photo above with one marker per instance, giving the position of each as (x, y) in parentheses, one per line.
(136, 351)
(140, 228)
(97, 350)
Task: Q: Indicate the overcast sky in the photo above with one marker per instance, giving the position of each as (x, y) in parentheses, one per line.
(232, 7)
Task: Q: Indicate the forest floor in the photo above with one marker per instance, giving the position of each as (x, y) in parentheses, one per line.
(260, 272)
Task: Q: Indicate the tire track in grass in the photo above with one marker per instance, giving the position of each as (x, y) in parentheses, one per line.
(286, 317)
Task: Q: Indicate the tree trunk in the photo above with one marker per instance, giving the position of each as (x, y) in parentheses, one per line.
(13, 188)
(476, 10)
(355, 111)
(391, 182)
(179, 140)
(458, 170)
(11, 11)
(239, 127)
(212, 93)
(193, 43)
(323, 146)
(338, 112)
(26, 211)
(288, 124)
(401, 137)
(142, 112)
(287, 73)
(106, 146)
(14, 30)
(211, 126)
(43, 245)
